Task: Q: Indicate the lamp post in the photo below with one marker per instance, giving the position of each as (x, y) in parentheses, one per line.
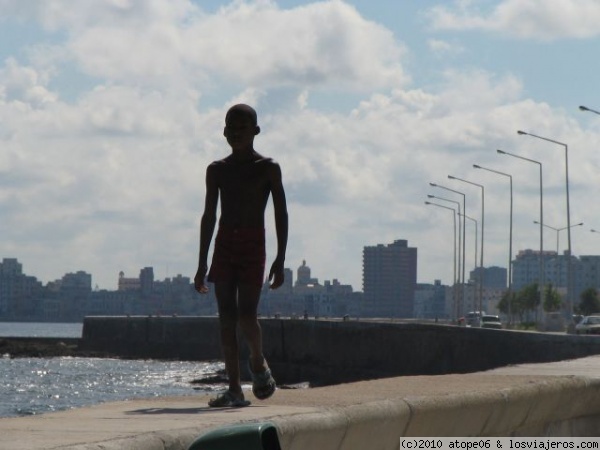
(510, 235)
(541, 276)
(558, 230)
(455, 258)
(585, 108)
(482, 231)
(475, 222)
(459, 228)
(569, 271)
(462, 290)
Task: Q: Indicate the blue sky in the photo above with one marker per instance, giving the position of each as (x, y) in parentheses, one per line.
(111, 110)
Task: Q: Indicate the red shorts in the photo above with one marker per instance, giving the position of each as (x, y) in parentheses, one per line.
(239, 256)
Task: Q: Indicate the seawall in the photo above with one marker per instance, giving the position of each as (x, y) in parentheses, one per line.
(559, 399)
(328, 352)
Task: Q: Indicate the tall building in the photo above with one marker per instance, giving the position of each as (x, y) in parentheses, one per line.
(494, 277)
(389, 279)
(146, 280)
(526, 267)
(19, 293)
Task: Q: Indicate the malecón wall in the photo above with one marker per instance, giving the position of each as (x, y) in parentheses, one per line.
(327, 352)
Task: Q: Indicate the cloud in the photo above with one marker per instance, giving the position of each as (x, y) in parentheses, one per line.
(25, 84)
(325, 44)
(523, 19)
(440, 47)
(113, 178)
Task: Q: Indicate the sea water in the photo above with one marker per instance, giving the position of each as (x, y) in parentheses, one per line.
(38, 385)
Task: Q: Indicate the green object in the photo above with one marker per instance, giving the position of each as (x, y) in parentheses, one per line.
(245, 436)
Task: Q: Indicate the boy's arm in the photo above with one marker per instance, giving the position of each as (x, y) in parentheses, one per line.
(207, 227)
(281, 225)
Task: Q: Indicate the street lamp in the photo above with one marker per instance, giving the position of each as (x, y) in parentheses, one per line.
(510, 234)
(482, 230)
(462, 297)
(541, 276)
(459, 228)
(558, 230)
(569, 272)
(585, 108)
(474, 221)
(453, 287)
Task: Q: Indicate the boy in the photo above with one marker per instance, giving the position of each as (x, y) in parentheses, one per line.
(243, 180)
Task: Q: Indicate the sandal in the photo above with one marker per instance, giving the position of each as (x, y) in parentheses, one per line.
(228, 400)
(263, 384)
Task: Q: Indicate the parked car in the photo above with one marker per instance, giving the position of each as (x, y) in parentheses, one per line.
(490, 321)
(473, 318)
(588, 325)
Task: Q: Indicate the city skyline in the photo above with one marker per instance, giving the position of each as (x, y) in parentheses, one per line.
(110, 112)
(121, 274)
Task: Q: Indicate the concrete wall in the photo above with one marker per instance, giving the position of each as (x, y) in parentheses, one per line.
(327, 352)
(561, 406)
(183, 338)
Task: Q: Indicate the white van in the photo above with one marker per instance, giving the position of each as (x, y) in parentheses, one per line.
(473, 318)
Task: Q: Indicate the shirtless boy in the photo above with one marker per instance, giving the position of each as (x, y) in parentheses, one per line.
(243, 180)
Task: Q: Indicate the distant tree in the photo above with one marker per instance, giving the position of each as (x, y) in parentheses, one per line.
(590, 302)
(515, 307)
(529, 297)
(552, 300)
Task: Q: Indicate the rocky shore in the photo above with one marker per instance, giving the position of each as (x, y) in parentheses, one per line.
(43, 348)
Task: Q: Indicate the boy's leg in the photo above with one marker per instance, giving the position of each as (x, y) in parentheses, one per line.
(248, 298)
(226, 293)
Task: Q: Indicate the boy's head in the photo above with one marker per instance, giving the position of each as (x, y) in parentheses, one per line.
(241, 110)
(241, 126)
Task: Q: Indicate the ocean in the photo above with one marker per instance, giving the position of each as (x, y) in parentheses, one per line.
(40, 385)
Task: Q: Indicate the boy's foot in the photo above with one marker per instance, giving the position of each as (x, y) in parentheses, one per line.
(263, 384)
(228, 400)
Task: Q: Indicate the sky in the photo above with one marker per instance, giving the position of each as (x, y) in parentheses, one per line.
(110, 111)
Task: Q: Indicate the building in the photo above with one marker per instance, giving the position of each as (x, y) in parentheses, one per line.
(128, 284)
(19, 294)
(526, 267)
(494, 277)
(430, 301)
(389, 279)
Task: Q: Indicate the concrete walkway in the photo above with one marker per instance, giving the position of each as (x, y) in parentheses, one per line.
(173, 423)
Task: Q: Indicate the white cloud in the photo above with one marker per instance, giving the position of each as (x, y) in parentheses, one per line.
(114, 180)
(440, 47)
(527, 19)
(20, 83)
(256, 43)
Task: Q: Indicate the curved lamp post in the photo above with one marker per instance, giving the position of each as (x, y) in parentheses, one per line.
(482, 228)
(459, 229)
(585, 108)
(541, 276)
(510, 234)
(462, 290)
(476, 240)
(453, 287)
(569, 271)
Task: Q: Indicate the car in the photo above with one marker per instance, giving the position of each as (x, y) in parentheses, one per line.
(473, 318)
(588, 325)
(490, 321)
